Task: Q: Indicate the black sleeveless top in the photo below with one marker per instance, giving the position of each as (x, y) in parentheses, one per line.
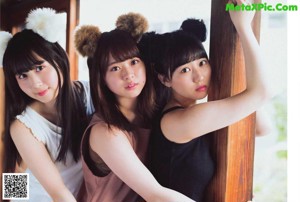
(187, 168)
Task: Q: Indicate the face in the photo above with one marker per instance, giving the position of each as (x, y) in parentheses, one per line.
(190, 81)
(126, 79)
(40, 83)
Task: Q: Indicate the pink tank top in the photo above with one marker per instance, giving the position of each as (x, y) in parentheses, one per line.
(109, 188)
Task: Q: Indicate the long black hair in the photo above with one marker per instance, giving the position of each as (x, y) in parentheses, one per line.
(121, 46)
(20, 56)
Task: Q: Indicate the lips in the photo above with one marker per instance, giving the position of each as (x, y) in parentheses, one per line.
(201, 88)
(131, 86)
(42, 93)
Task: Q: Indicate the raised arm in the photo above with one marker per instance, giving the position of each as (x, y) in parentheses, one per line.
(116, 151)
(203, 118)
(37, 159)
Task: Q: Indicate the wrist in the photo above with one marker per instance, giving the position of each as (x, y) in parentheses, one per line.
(244, 29)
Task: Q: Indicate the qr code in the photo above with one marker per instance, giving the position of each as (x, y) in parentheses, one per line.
(15, 186)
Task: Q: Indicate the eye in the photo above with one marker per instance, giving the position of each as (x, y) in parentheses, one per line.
(135, 61)
(185, 69)
(21, 76)
(114, 68)
(203, 62)
(39, 68)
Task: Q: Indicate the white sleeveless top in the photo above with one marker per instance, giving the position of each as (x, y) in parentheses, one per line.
(50, 134)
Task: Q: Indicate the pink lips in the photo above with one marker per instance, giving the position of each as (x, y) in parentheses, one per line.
(42, 93)
(131, 86)
(201, 88)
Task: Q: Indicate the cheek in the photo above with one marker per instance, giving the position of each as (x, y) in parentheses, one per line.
(141, 74)
(52, 78)
(111, 82)
(24, 86)
(208, 74)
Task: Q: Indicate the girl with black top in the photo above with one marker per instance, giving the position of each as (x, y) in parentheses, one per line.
(180, 152)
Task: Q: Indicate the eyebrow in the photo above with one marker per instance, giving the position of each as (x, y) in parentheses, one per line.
(39, 62)
(112, 63)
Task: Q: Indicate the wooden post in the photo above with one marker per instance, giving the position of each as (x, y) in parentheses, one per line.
(234, 145)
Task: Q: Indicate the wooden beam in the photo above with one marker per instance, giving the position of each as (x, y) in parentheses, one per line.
(234, 145)
(72, 22)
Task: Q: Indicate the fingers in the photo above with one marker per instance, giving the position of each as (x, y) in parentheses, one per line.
(240, 2)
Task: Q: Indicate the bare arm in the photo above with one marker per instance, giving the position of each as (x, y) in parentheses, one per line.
(116, 151)
(36, 157)
(203, 118)
(264, 125)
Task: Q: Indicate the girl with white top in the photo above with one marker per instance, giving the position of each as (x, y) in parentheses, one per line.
(46, 113)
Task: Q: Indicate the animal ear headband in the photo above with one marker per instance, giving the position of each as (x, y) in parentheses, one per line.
(43, 21)
(195, 27)
(86, 36)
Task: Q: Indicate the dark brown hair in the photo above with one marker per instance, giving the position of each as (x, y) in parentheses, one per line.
(121, 46)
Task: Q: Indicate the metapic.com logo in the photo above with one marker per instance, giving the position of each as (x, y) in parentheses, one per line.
(261, 7)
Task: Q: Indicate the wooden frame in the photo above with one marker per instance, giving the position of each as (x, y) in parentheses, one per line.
(234, 145)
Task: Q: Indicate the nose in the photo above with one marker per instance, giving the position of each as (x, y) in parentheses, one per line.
(36, 82)
(198, 75)
(128, 73)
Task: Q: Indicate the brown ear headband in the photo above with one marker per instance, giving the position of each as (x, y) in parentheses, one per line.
(86, 36)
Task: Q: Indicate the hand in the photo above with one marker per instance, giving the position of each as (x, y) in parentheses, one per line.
(241, 18)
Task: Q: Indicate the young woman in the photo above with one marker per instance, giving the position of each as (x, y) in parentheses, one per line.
(46, 115)
(180, 156)
(115, 143)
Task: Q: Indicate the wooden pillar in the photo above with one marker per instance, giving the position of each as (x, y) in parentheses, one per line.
(72, 22)
(234, 145)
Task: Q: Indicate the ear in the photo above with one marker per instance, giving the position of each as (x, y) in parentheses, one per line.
(165, 81)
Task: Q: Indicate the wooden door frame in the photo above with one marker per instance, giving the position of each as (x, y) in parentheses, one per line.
(233, 146)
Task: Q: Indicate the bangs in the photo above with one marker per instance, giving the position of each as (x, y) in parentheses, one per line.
(118, 44)
(190, 54)
(22, 51)
(124, 50)
(186, 50)
(24, 62)
(124, 53)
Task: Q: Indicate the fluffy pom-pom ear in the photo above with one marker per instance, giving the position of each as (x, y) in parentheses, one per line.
(86, 38)
(4, 39)
(195, 27)
(47, 23)
(134, 23)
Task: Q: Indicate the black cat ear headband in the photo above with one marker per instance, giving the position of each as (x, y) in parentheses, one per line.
(195, 27)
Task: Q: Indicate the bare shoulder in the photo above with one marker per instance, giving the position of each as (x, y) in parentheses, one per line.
(102, 134)
(17, 128)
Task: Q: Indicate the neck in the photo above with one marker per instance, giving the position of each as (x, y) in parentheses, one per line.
(47, 110)
(177, 100)
(128, 108)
